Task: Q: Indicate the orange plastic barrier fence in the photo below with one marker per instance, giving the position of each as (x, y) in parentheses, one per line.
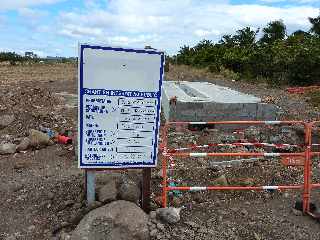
(303, 159)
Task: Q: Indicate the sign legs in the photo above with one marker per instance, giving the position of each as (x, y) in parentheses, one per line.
(90, 182)
(146, 175)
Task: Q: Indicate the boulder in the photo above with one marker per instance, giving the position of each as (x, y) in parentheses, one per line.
(169, 215)
(108, 192)
(129, 191)
(24, 144)
(6, 120)
(38, 138)
(8, 148)
(119, 220)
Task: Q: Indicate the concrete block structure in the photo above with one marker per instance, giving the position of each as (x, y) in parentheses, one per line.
(203, 101)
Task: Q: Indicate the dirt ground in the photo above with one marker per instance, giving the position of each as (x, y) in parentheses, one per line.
(41, 190)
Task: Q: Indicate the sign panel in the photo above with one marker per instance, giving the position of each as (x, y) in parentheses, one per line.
(119, 106)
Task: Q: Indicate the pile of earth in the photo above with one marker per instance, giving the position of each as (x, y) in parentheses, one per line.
(31, 107)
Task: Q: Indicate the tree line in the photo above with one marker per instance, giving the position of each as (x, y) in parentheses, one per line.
(15, 58)
(275, 57)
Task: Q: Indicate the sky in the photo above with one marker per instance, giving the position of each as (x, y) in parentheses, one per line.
(55, 27)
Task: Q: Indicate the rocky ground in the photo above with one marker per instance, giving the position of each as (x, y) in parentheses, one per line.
(41, 189)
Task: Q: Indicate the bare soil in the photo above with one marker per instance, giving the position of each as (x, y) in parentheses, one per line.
(41, 190)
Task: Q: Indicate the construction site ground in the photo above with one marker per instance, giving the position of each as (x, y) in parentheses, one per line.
(42, 190)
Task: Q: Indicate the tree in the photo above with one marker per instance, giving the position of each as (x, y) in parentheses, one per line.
(315, 28)
(204, 44)
(227, 40)
(245, 37)
(275, 30)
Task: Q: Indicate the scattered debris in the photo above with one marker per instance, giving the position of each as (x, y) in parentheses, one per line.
(38, 139)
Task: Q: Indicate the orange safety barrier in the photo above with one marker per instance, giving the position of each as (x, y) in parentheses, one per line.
(301, 90)
(303, 159)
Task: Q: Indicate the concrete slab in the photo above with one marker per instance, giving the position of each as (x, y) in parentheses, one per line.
(203, 101)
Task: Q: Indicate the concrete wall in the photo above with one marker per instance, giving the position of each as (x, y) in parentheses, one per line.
(202, 101)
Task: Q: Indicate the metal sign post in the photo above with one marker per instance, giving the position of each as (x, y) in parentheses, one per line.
(119, 111)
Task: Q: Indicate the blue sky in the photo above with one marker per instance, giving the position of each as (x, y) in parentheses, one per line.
(55, 27)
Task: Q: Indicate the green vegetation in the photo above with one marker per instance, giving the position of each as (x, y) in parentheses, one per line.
(275, 57)
(14, 59)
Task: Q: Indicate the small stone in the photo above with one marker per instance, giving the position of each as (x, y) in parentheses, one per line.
(68, 203)
(24, 144)
(192, 224)
(50, 195)
(8, 148)
(11, 237)
(31, 228)
(153, 233)
(153, 214)
(244, 212)
(6, 120)
(160, 226)
(20, 165)
(297, 212)
(65, 236)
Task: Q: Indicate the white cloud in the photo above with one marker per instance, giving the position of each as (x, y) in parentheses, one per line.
(17, 4)
(32, 16)
(206, 33)
(170, 24)
(76, 31)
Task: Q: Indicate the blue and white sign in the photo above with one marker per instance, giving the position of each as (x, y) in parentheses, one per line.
(119, 106)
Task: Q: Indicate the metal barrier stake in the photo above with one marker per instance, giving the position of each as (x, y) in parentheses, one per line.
(164, 166)
(307, 169)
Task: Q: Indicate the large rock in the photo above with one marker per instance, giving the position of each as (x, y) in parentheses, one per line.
(6, 120)
(108, 192)
(8, 148)
(38, 138)
(129, 191)
(169, 215)
(119, 220)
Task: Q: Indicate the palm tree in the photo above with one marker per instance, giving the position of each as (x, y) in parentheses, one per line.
(275, 30)
(315, 25)
(246, 37)
(227, 40)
